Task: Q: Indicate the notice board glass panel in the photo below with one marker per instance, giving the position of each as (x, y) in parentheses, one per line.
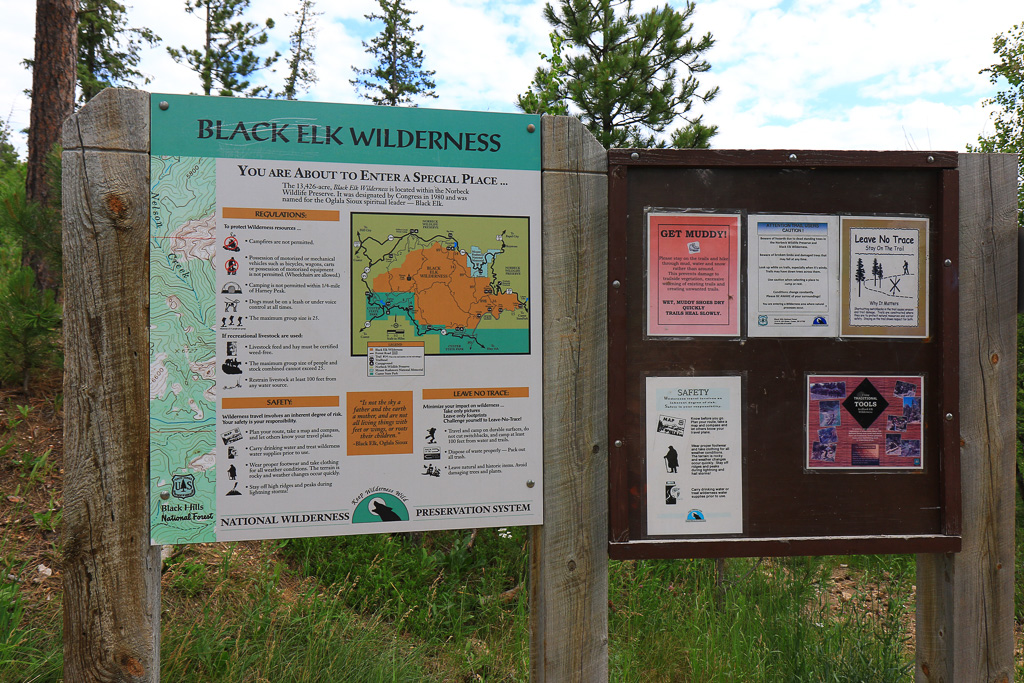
(874, 469)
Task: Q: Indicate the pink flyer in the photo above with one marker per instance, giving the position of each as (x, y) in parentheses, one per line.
(693, 274)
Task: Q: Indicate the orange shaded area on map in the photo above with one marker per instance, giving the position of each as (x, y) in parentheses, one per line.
(446, 292)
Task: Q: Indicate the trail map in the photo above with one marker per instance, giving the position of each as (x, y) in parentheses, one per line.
(183, 369)
(460, 284)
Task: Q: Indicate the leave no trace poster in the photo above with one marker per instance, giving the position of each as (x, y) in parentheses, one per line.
(885, 277)
(693, 262)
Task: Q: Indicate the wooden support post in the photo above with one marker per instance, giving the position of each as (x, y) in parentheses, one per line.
(965, 601)
(111, 574)
(568, 555)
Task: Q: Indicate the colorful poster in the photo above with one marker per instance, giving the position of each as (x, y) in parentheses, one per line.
(884, 277)
(865, 422)
(793, 276)
(694, 456)
(345, 320)
(693, 262)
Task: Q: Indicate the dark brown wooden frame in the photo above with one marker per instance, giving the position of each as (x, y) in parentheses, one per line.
(769, 181)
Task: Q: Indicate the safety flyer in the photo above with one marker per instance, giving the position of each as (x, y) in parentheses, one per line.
(694, 456)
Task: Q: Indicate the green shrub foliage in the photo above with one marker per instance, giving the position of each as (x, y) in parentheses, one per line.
(29, 328)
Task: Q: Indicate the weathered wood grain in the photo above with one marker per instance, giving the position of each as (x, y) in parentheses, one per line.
(569, 146)
(111, 574)
(965, 601)
(115, 120)
(568, 556)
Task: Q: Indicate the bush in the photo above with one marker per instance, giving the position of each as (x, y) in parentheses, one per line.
(29, 328)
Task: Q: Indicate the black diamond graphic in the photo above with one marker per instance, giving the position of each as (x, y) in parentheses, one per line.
(865, 404)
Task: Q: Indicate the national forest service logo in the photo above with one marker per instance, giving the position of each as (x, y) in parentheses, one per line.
(380, 506)
(183, 485)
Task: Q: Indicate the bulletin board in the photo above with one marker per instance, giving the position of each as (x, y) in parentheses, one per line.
(783, 353)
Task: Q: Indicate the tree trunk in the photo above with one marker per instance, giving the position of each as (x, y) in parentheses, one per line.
(53, 100)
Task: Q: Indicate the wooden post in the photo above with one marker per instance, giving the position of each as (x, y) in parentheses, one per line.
(111, 574)
(965, 601)
(568, 555)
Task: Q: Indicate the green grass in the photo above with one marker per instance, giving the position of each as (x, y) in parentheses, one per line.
(262, 637)
(769, 621)
(28, 651)
(469, 600)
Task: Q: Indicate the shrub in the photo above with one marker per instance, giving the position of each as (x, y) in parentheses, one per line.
(29, 328)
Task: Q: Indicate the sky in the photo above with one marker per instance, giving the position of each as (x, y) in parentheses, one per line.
(792, 74)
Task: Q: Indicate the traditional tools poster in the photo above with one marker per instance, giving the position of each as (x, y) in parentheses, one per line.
(345, 319)
(865, 422)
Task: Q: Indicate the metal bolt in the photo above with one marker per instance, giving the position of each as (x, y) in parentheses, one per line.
(634, 155)
(616, 284)
(530, 483)
(931, 159)
(530, 128)
(947, 263)
(618, 443)
(792, 157)
(164, 495)
(949, 416)
(164, 106)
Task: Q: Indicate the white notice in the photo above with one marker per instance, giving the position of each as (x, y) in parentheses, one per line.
(794, 291)
(694, 471)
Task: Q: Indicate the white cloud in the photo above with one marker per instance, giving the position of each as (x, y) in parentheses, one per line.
(793, 73)
(851, 74)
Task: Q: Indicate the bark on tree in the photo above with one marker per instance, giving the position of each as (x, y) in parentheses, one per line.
(53, 100)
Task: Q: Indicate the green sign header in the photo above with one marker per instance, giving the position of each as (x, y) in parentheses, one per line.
(233, 127)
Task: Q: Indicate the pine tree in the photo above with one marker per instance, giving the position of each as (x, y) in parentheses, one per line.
(1008, 117)
(623, 72)
(399, 75)
(544, 95)
(301, 73)
(228, 57)
(8, 153)
(108, 51)
(858, 274)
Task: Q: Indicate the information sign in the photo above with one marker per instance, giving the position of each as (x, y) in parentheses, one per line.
(793, 286)
(884, 277)
(693, 269)
(780, 333)
(863, 423)
(345, 319)
(694, 446)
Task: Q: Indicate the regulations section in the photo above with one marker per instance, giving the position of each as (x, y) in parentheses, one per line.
(345, 320)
